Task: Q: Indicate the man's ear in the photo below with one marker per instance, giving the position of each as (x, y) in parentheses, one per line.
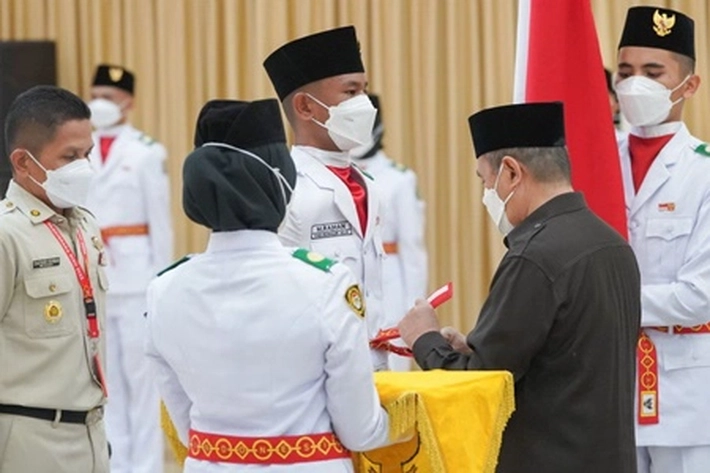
(513, 166)
(127, 104)
(20, 160)
(302, 106)
(691, 86)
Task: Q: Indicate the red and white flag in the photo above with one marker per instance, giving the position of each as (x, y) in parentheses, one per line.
(558, 59)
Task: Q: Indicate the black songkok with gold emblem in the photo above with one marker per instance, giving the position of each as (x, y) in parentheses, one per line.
(116, 76)
(660, 28)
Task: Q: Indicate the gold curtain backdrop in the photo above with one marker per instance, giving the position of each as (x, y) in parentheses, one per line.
(433, 62)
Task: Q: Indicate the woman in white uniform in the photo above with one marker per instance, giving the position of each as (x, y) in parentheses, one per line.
(260, 352)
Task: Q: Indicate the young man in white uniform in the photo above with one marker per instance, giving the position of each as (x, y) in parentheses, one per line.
(320, 80)
(665, 172)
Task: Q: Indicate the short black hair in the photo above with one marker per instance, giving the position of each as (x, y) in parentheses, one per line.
(35, 115)
(546, 165)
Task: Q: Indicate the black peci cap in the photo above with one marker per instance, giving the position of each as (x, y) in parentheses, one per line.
(660, 28)
(528, 125)
(302, 61)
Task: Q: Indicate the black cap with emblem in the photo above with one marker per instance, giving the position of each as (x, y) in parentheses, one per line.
(302, 61)
(526, 125)
(115, 76)
(660, 28)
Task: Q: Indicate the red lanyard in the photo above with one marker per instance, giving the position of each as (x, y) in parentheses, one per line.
(82, 274)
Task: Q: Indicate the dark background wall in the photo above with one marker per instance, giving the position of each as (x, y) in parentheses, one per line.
(23, 64)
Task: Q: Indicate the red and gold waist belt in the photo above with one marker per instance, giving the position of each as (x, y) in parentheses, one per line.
(647, 368)
(123, 231)
(266, 450)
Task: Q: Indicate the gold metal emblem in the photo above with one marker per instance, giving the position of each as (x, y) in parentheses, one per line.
(35, 213)
(353, 297)
(98, 244)
(663, 23)
(53, 312)
(115, 73)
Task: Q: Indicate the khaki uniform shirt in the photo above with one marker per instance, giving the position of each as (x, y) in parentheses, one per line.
(45, 353)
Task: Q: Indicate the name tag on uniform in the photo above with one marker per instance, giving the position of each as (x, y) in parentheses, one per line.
(331, 230)
(45, 263)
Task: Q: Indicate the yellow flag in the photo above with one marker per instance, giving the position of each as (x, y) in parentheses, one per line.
(459, 418)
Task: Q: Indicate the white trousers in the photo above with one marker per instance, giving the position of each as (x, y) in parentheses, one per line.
(673, 459)
(133, 407)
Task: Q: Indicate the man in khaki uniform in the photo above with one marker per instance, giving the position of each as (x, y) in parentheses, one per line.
(52, 292)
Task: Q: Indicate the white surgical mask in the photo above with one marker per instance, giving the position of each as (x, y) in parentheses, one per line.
(283, 182)
(104, 113)
(67, 186)
(644, 101)
(496, 206)
(350, 122)
(359, 151)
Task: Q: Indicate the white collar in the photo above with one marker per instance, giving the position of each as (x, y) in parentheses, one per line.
(114, 130)
(338, 159)
(670, 128)
(241, 240)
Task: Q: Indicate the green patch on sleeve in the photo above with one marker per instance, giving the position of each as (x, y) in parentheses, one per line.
(314, 259)
(703, 149)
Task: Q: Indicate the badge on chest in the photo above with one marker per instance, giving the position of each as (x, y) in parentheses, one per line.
(331, 230)
(45, 263)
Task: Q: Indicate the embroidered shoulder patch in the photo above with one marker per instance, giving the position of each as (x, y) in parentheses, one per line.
(177, 263)
(146, 139)
(703, 149)
(399, 166)
(354, 298)
(314, 259)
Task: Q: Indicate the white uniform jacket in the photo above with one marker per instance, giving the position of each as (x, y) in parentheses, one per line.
(131, 189)
(405, 266)
(322, 217)
(248, 340)
(669, 228)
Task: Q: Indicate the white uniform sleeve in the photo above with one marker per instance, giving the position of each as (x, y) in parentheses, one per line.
(410, 239)
(8, 268)
(291, 232)
(354, 406)
(685, 301)
(155, 186)
(171, 392)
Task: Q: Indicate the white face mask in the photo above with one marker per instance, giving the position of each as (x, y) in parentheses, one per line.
(496, 206)
(104, 113)
(644, 101)
(350, 122)
(67, 186)
(359, 151)
(283, 182)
